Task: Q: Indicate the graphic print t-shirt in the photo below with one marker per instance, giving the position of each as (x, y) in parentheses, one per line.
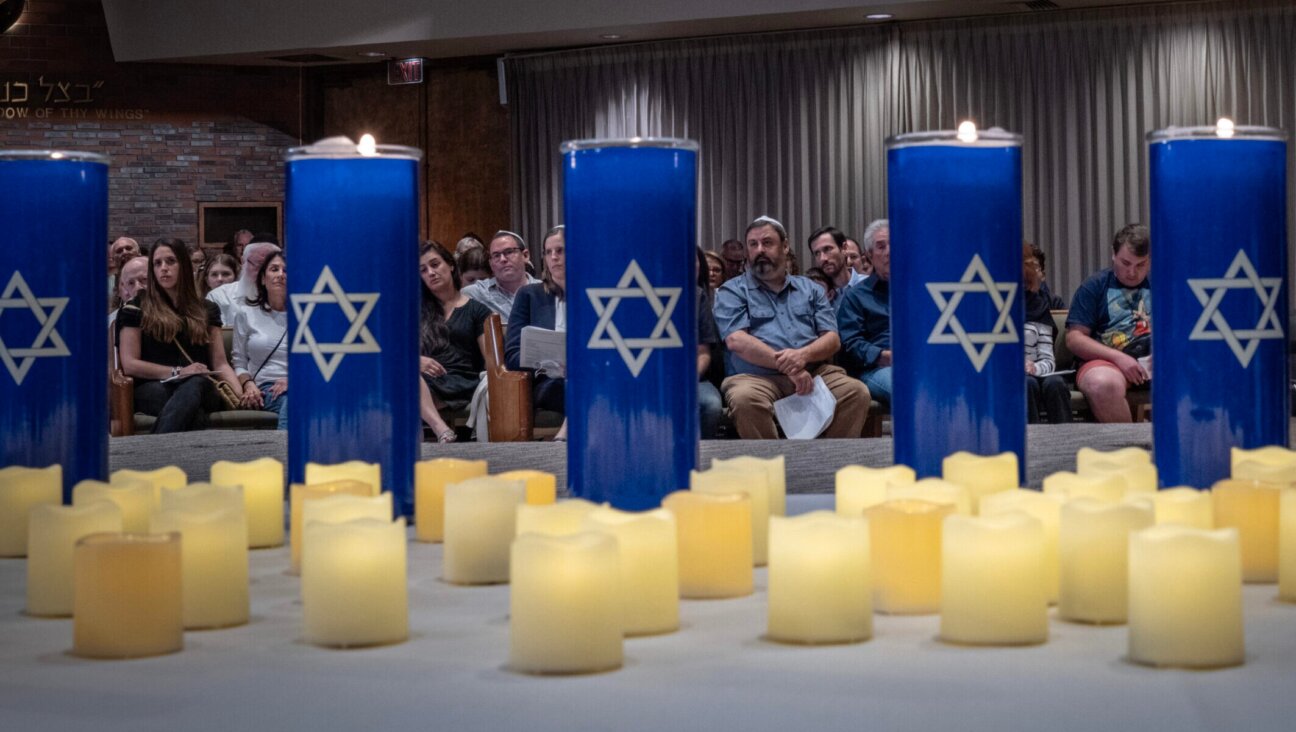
(1117, 316)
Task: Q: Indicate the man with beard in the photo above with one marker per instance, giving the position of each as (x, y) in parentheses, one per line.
(781, 333)
(827, 245)
(864, 318)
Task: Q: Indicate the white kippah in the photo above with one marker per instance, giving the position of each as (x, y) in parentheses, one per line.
(506, 232)
(767, 220)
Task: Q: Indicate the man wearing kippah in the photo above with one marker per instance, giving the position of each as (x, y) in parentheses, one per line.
(508, 259)
(781, 333)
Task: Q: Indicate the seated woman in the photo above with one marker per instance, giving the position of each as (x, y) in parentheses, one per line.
(543, 305)
(1044, 389)
(451, 340)
(170, 338)
(261, 341)
(473, 265)
(221, 270)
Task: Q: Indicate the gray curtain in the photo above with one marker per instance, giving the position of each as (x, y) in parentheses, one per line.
(794, 125)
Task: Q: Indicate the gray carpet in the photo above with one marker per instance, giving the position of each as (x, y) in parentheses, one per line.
(810, 465)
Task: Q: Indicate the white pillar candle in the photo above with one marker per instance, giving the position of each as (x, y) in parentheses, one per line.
(647, 544)
(982, 475)
(126, 601)
(1139, 477)
(299, 494)
(1251, 507)
(561, 518)
(1107, 488)
(905, 548)
(164, 478)
(565, 609)
(859, 487)
(213, 563)
(1047, 509)
(430, 479)
(51, 538)
(1272, 455)
(354, 587)
(933, 490)
(480, 523)
(205, 497)
(21, 490)
(1087, 457)
(263, 497)
(1281, 474)
(1185, 597)
(368, 473)
(134, 498)
(820, 581)
(715, 546)
(541, 487)
(775, 471)
(1093, 543)
(1184, 506)
(754, 483)
(336, 508)
(992, 580)
(1286, 546)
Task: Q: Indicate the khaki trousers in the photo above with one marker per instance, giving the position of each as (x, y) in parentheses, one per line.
(751, 402)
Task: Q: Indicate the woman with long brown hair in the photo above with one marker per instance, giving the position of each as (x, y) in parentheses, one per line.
(451, 339)
(170, 341)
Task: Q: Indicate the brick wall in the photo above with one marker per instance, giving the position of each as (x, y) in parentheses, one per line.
(177, 135)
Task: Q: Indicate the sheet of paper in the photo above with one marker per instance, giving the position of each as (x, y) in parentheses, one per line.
(541, 345)
(806, 417)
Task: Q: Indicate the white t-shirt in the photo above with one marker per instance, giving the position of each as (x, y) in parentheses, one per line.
(259, 338)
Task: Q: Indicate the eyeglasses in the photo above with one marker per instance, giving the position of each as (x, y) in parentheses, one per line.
(505, 253)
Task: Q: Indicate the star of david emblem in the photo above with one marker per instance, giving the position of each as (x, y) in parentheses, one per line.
(328, 356)
(47, 343)
(948, 329)
(633, 284)
(1241, 275)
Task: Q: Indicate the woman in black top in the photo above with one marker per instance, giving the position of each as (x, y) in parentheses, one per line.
(451, 339)
(169, 338)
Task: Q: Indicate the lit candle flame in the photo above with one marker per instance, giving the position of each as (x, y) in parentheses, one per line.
(967, 131)
(1224, 127)
(368, 147)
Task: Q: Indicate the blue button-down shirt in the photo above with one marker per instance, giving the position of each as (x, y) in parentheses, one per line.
(864, 319)
(793, 317)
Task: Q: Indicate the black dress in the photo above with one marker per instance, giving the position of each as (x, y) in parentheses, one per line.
(460, 354)
(183, 404)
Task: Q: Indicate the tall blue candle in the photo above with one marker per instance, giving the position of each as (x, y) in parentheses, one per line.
(54, 313)
(352, 245)
(631, 211)
(1219, 270)
(956, 297)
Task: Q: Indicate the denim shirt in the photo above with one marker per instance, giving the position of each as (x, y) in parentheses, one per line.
(793, 317)
(864, 319)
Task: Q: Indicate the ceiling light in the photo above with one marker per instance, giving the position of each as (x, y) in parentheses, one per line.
(373, 54)
(879, 16)
(611, 36)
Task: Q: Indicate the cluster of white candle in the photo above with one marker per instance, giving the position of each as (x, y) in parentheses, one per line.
(1101, 543)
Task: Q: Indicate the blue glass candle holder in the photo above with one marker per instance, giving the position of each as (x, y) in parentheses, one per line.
(352, 243)
(1219, 297)
(631, 218)
(956, 297)
(54, 312)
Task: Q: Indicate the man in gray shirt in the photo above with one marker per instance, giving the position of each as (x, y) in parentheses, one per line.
(781, 333)
(508, 257)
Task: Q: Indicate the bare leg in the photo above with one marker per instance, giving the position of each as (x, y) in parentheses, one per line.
(1104, 387)
(428, 410)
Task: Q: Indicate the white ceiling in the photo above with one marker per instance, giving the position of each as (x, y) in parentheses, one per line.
(255, 31)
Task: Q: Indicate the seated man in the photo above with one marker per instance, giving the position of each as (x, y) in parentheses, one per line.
(864, 318)
(781, 333)
(828, 246)
(1109, 326)
(508, 259)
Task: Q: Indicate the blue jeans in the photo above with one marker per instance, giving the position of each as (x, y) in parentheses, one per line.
(709, 407)
(878, 382)
(278, 405)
